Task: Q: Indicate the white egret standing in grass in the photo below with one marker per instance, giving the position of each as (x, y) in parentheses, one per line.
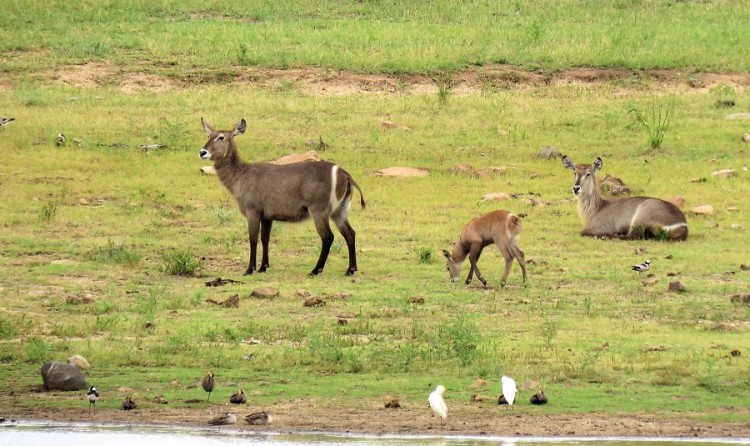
(509, 389)
(437, 403)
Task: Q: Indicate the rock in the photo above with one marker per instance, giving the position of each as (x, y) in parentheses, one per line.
(393, 404)
(314, 302)
(479, 382)
(746, 137)
(550, 153)
(650, 279)
(232, 301)
(735, 353)
(737, 117)
(265, 292)
(477, 398)
(677, 201)
(341, 321)
(79, 362)
(614, 185)
(676, 287)
(419, 300)
(402, 172)
(208, 170)
(58, 375)
(310, 155)
(724, 173)
(703, 209)
(390, 125)
(465, 168)
(531, 201)
(497, 196)
(740, 299)
(303, 293)
(744, 267)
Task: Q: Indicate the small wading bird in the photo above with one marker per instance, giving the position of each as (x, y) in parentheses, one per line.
(60, 139)
(259, 418)
(509, 391)
(220, 420)
(437, 403)
(92, 396)
(208, 384)
(129, 404)
(238, 397)
(642, 267)
(6, 121)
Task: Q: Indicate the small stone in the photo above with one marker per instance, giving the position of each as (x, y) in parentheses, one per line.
(479, 382)
(310, 155)
(390, 125)
(402, 172)
(677, 201)
(550, 153)
(416, 300)
(724, 173)
(302, 293)
(342, 321)
(83, 202)
(393, 404)
(314, 302)
(265, 292)
(161, 400)
(746, 137)
(676, 287)
(735, 353)
(497, 196)
(703, 209)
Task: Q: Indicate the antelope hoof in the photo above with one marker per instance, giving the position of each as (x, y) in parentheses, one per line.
(484, 282)
(468, 281)
(351, 271)
(315, 272)
(263, 268)
(249, 271)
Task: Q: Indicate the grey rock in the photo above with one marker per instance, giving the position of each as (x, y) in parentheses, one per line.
(62, 376)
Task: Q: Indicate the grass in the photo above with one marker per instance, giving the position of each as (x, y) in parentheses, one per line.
(106, 248)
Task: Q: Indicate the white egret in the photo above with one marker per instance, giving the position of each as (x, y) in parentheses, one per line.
(437, 403)
(509, 389)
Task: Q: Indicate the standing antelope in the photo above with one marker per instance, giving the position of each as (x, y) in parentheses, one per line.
(268, 192)
(499, 227)
(626, 218)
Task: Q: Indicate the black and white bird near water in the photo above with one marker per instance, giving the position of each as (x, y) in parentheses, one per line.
(642, 267)
(6, 121)
(92, 396)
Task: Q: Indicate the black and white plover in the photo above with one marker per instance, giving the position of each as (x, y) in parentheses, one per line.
(92, 396)
(642, 267)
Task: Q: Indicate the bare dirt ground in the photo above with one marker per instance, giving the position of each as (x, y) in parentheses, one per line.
(485, 418)
(316, 81)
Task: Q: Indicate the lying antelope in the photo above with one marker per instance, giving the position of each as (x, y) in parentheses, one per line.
(626, 218)
(268, 192)
(499, 227)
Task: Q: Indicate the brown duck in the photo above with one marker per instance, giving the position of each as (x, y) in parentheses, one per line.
(238, 397)
(129, 404)
(538, 398)
(208, 384)
(259, 418)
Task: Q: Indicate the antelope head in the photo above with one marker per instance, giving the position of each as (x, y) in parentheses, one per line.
(453, 267)
(219, 141)
(585, 180)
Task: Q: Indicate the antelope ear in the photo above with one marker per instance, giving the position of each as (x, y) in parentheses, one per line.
(598, 163)
(568, 163)
(447, 255)
(240, 127)
(206, 128)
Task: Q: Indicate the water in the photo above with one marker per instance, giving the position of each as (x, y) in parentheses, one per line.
(83, 434)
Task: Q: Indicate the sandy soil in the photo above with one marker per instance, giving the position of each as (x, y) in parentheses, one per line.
(483, 418)
(316, 81)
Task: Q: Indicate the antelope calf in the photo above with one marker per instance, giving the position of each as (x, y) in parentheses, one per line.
(625, 218)
(268, 192)
(499, 227)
